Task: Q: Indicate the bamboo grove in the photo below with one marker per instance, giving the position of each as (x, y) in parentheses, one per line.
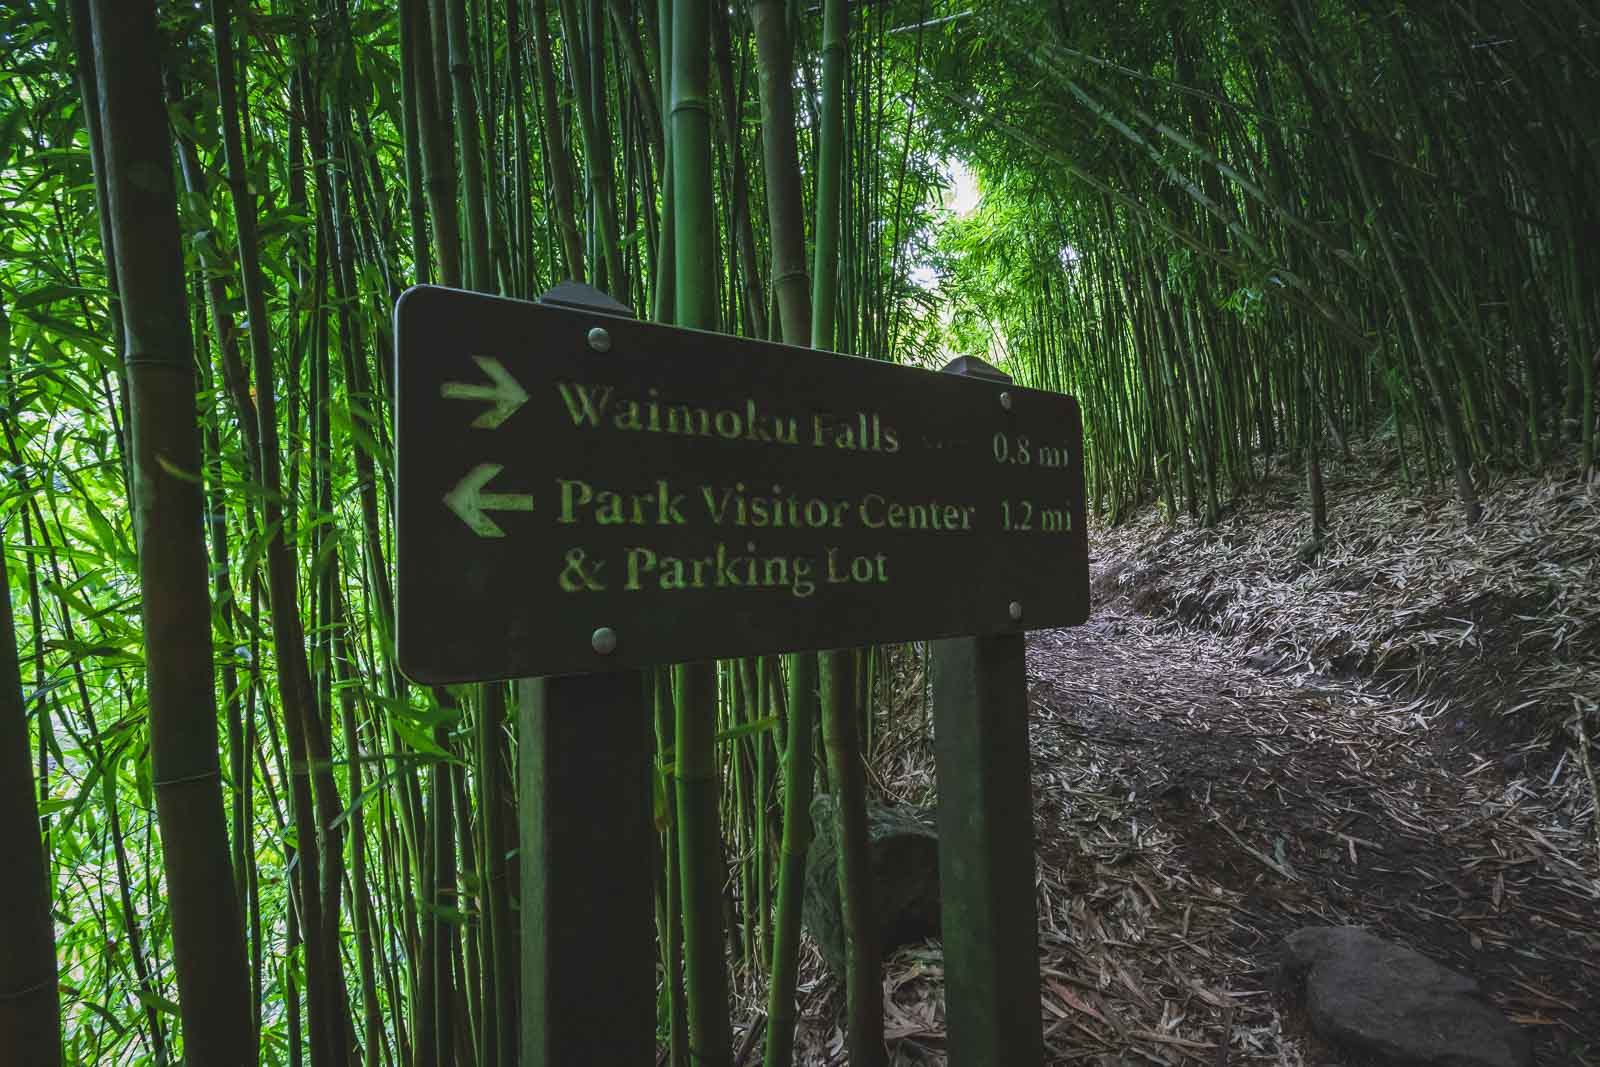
(1244, 231)
(1238, 232)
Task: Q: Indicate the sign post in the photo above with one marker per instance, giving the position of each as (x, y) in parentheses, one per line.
(587, 842)
(989, 922)
(588, 855)
(580, 494)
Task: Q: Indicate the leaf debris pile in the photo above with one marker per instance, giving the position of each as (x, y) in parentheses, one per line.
(1239, 744)
(1502, 617)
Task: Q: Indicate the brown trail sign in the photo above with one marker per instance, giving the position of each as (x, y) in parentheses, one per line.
(581, 491)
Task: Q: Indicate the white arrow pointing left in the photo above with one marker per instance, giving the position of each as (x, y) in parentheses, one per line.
(470, 502)
(506, 392)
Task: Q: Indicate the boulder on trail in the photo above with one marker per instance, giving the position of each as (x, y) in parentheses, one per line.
(903, 855)
(1387, 1002)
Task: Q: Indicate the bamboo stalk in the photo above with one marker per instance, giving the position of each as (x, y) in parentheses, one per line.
(797, 758)
(30, 1026)
(863, 979)
(209, 951)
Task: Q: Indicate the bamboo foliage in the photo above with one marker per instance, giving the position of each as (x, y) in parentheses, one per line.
(1309, 209)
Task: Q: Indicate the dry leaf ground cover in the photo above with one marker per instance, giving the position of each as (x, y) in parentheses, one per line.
(1239, 744)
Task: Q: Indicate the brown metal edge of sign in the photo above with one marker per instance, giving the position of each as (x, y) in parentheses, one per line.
(622, 314)
(775, 349)
(623, 663)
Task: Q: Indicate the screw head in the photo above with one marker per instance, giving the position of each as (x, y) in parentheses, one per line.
(1015, 610)
(599, 339)
(1005, 401)
(604, 641)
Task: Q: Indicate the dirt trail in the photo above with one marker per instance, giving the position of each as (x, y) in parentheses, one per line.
(1194, 807)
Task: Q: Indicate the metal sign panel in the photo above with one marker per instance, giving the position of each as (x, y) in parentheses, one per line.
(579, 491)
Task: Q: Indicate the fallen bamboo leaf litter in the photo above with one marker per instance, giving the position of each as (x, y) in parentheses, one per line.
(1229, 715)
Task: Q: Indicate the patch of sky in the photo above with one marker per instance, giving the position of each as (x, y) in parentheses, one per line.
(958, 195)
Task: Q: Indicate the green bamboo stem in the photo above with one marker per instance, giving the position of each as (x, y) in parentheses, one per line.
(830, 177)
(588, 101)
(750, 286)
(700, 865)
(438, 169)
(558, 161)
(797, 759)
(863, 979)
(786, 226)
(710, 1035)
(671, 927)
(480, 274)
(30, 1019)
(665, 289)
(208, 942)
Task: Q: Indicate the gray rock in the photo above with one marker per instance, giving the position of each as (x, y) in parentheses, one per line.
(1265, 662)
(1388, 1002)
(903, 853)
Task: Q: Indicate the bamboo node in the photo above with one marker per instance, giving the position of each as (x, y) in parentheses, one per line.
(26, 991)
(185, 779)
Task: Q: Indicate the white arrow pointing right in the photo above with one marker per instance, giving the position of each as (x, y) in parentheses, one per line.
(506, 392)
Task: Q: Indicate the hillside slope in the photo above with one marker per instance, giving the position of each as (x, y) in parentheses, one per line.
(1385, 735)
(1240, 743)
(1496, 625)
